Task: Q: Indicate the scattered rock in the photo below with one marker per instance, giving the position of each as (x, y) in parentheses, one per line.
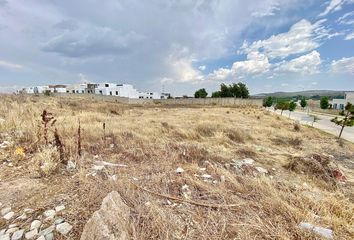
(59, 220)
(324, 232)
(64, 228)
(4, 211)
(49, 213)
(47, 231)
(35, 224)
(97, 167)
(49, 236)
(114, 177)
(108, 164)
(31, 234)
(13, 225)
(111, 221)
(207, 176)
(5, 237)
(59, 208)
(41, 238)
(9, 215)
(70, 166)
(28, 210)
(22, 217)
(18, 234)
(222, 178)
(186, 191)
(262, 170)
(240, 163)
(179, 170)
(12, 230)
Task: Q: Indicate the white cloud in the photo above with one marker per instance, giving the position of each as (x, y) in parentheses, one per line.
(349, 36)
(343, 19)
(344, 65)
(306, 64)
(268, 10)
(255, 64)
(9, 65)
(203, 67)
(302, 37)
(333, 6)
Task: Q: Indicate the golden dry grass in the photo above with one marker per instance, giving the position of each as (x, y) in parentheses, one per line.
(153, 140)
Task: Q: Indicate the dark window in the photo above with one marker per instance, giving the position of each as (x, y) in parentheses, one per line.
(83, 91)
(77, 91)
(100, 91)
(106, 85)
(73, 91)
(110, 93)
(117, 93)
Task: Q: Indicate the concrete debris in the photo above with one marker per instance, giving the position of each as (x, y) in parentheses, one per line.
(41, 238)
(114, 177)
(58, 221)
(222, 178)
(206, 176)
(5, 237)
(47, 231)
(12, 230)
(70, 166)
(5, 211)
(28, 210)
(49, 213)
(324, 232)
(35, 224)
(240, 163)
(22, 217)
(5, 144)
(17, 235)
(98, 167)
(59, 208)
(179, 170)
(108, 164)
(186, 191)
(31, 234)
(64, 228)
(49, 236)
(111, 221)
(9, 215)
(13, 225)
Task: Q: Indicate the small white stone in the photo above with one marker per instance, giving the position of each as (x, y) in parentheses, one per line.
(47, 231)
(5, 237)
(22, 217)
(59, 220)
(12, 225)
(18, 235)
(222, 178)
(12, 230)
(49, 236)
(262, 170)
(28, 210)
(324, 232)
(49, 213)
(64, 228)
(9, 215)
(97, 168)
(59, 208)
(35, 224)
(206, 176)
(179, 170)
(2, 231)
(4, 211)
(41, 238)
(31, 234)
(71, 165)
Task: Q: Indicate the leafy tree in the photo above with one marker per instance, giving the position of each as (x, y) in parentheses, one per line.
(225, 90)
(347, 120)
(268, 102)
(303, 102)
(324, 103)
(291, 107)
(237, 90)
(216, 94)
(282, 106)
(244, 90)
(201, 93)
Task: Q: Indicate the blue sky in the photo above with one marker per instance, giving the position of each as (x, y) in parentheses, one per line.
(183, 45)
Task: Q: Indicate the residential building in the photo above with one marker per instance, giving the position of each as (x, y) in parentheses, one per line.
(77, 88)
(341, 103)
(119, 90)
(57, 88)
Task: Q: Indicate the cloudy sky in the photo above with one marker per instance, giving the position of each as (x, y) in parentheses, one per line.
(271, 45)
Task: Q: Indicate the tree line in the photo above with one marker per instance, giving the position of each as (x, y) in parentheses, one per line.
(236, 90)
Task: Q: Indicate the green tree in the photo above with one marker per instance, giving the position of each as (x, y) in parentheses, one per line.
(268, 102)
(282, 106)
(225, 91)
(201, 93)
(244, 90)
(235, 90)
(216, 94)
(324, 103)
(347, 120)
(303, 102)
(292, 106)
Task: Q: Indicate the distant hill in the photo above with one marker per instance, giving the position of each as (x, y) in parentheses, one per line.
(315, 94)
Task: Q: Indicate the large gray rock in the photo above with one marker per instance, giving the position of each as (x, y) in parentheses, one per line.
(110, 222)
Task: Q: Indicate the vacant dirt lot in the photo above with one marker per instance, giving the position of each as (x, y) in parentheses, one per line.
(185, 172)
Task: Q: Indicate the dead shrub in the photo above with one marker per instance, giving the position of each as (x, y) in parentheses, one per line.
(205, 130)
(315, 166)
(288, 141)
(236, 136)
(47, 160)
(246, 153)
(297, 126)
(190, 153)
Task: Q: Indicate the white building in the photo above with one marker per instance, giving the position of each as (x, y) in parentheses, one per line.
(77, 88)
(341, 103)
(57, 88)
(149, 95)
(29, 90)
(119, 90)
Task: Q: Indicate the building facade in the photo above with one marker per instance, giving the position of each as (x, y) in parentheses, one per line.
(340, 104)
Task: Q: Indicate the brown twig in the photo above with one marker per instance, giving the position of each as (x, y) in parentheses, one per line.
(79, 139)
(188, 201)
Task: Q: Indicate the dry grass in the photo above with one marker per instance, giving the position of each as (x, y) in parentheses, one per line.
(153, 140)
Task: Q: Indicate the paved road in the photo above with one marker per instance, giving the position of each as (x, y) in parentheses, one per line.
(324, 123)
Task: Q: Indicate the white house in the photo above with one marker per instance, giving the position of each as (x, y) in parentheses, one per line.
(341, 103)
(149, 95)
(119, 90)
(76, 88)
(29, 90)
(57, 88)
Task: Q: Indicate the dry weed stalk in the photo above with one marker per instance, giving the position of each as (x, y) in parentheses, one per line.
(79, 139)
